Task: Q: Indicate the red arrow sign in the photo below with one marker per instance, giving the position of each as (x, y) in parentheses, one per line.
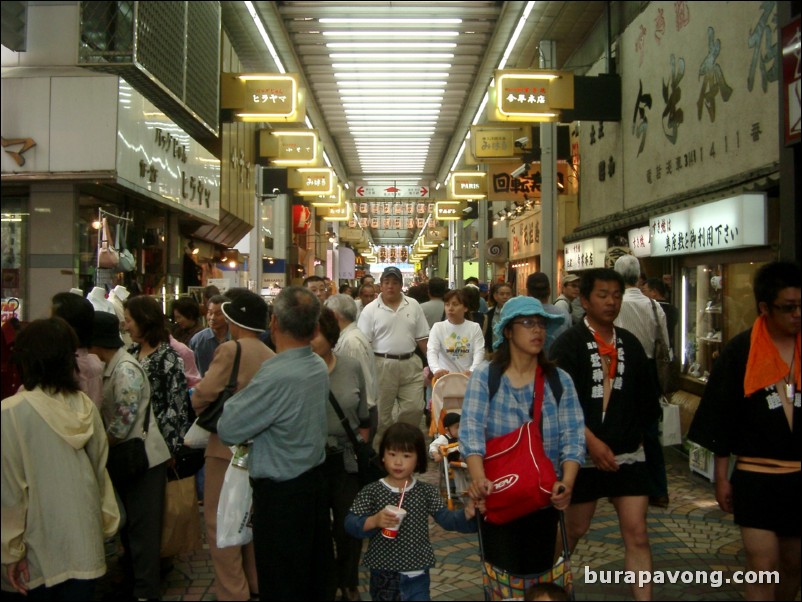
(424, 191)
(392, 189)
(360, 191)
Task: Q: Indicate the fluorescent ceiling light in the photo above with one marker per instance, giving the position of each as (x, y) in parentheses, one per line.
(391, 112)
(377, 119)
(389, 45)
(393, 140)
(393, 128)
(514, 39)
(437, 75)
(396, 33)
(389, 104)
(390, 56)
(388, 20)
(266, 38)
(403, 96)
(385, 85)
(481, 111)
(371, 65)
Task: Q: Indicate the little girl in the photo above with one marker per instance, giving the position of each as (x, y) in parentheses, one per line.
(399, 567)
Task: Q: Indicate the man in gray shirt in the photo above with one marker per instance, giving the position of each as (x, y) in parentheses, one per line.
(539, 287)
(283, 411)
(434, 308)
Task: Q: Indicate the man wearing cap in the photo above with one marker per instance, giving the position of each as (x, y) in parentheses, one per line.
(619, 401)
(539, 287)
(205, 342)
(283, 411)
(568, 301)
(395, 324)
(246, 314)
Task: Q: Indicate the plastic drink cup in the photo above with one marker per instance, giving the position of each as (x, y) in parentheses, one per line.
(400, 513)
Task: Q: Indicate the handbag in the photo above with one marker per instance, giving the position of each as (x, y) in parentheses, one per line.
(234, 508)
(188, 462)
(107, 256)
(209, 417)
(369, 464)
(667, 366)
(197, 437)
(127, 263)
(517, 465)
(129, 460)
(181, 530)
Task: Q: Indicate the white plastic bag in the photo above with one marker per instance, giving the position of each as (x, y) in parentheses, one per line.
(234, 509)
(197, 437)
(670, 425)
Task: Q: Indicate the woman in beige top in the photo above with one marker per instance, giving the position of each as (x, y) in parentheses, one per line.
(246, 314)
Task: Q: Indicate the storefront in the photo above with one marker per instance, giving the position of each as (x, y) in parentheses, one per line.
(94, 151)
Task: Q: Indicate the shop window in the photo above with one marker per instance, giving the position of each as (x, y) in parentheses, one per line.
(13, 234)
(717, 303)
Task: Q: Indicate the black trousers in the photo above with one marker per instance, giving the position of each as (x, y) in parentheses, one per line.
(524, 546)
(292, 536)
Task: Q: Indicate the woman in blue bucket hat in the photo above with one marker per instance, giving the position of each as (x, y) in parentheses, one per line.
(524, 546)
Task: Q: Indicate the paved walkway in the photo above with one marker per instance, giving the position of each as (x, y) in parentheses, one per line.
(692, 534)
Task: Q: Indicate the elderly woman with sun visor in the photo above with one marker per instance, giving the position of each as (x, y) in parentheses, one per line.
(524, 545)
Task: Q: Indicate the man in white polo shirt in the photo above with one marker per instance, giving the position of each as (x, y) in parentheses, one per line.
(394, 324)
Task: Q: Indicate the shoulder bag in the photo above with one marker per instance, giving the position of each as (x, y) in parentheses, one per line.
(107, 255)
(667, 366)
(517, 465)
(369, 464)
(209, 417)
(127, 261)
(129, 460)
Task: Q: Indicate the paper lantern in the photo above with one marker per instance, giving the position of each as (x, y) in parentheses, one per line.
(300, 219)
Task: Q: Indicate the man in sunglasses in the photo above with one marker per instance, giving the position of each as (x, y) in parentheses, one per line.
(752, 409)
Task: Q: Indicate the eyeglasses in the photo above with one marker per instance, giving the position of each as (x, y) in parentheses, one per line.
(787, 308)
(531, 323)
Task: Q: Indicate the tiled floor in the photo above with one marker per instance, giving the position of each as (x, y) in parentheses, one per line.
(691, 535)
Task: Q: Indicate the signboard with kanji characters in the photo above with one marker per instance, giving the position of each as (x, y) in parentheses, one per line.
(640, 241)
(289, 148)
(724, 225)
(530, 95)
(585, 254)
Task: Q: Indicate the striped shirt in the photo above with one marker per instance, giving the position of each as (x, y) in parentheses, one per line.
(563, 426)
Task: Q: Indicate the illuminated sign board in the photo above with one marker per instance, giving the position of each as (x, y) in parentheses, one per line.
(263, 97)
(530, 95)
(468, 185)
(289, 148)
(447, 210)
(312, 181)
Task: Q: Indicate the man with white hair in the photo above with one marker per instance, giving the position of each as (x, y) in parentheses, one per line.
(638, 316)
(352, 343)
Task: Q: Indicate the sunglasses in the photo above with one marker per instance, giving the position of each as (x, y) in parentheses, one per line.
(787, 308)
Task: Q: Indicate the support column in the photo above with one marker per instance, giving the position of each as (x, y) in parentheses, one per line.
(548, 172)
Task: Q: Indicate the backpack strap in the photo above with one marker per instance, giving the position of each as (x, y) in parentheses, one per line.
(494, 381)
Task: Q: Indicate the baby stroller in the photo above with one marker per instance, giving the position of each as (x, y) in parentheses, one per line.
(447, 396)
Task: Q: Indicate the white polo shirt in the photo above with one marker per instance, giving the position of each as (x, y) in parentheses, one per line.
(393, 331)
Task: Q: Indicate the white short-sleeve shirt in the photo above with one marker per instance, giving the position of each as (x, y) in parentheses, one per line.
(393, 331)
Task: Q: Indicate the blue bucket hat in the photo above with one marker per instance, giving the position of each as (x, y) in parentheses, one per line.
(525, 306)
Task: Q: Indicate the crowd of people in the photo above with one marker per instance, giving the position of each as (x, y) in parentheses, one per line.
(319, 373)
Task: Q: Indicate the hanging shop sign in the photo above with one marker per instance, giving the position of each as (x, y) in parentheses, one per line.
(448, 210)
(312, 181)
(497, 143)
(729, 224)
(640, 241)
(467, 185)
(262, 97)
(530, 95)
(585, 254)
(524, 236)
(791, 40)
(340, 213)
(290, 148)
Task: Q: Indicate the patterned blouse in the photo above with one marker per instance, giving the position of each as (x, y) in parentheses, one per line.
(168, 393)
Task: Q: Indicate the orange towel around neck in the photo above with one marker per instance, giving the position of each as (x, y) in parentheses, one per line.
(765, 366)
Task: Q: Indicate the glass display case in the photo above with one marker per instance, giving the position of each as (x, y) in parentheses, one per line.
(717, 303)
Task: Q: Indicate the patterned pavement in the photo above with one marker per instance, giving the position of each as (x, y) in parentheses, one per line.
(692, 534)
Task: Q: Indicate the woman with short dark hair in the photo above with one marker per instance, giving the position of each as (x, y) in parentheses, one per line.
(186, 319)
(169, 396)
(57, 500)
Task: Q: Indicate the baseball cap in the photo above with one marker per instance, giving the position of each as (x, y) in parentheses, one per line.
(570, 278)
(392, 271)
